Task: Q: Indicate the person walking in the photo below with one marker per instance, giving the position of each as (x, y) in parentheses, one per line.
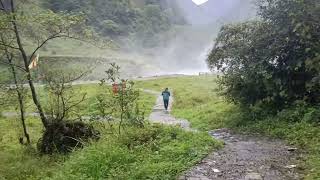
(166, 96)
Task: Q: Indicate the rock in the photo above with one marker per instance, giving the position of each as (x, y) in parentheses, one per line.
(249, 170)
(291, 149)
(198, 178)
(253, 176)
(216, 170)
(291, 166)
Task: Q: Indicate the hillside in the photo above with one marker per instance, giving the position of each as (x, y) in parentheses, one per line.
(125, 21)
(159, 34)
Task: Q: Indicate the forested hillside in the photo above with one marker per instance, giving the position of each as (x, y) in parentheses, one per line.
(137, 21)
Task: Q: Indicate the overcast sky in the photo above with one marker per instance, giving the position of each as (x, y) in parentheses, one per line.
(198, 2)
(213, 11)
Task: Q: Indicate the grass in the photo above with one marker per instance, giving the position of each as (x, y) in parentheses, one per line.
(153, 152)
(158, 152)
(20, 162)
(197, 100)
(88, 107)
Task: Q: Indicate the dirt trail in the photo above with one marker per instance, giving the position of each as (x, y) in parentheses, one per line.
(242, 158)
(159, 115)
(246, 158)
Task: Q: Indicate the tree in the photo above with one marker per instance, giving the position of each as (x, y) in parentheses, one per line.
(125, 19)
(62, 99)
(24, 23)
(121, 101)
(66, 131)
(273, 61)
(15, 85)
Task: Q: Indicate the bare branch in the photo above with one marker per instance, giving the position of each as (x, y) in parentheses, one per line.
(77, 103)
(9, 46)
(55, 36)
(11, 64)
(43, 43)
(9, 57)
(77, 78)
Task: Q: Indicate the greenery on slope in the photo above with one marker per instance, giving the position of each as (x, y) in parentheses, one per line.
(124, 20)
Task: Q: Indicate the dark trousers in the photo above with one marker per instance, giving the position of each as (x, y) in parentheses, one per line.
(166, 103)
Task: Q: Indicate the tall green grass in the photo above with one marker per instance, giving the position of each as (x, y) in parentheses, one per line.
(21, 162)
(153, 152)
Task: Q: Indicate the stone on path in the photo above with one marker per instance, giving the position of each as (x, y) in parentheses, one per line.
(160, 115)
(253, 176)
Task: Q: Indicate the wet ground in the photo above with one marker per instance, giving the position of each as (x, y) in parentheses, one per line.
(246, 158)
(242, 158)
(160, 115)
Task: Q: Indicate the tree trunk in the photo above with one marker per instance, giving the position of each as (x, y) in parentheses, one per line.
(20, 98)
(26, 64)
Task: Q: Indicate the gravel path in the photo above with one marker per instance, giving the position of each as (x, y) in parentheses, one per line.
(242, 158)
(160, 115)
(246, 158)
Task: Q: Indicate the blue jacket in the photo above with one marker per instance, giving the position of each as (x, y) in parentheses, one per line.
(166, 95)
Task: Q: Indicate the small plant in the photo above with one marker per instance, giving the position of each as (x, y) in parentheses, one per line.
(62, 133)
(62, 98)
(120, 102)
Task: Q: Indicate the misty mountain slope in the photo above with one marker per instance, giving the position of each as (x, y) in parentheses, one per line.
(178, 48)
(186, 48)
(217, 10)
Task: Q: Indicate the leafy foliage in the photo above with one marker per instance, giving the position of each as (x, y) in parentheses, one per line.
(120, 19)
(40, 27)
(120, 102)
(273, 61)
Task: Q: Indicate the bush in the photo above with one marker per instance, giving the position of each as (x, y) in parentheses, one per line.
(63, 137)
(272, 61)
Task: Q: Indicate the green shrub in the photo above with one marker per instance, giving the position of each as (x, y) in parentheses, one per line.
(273, 60)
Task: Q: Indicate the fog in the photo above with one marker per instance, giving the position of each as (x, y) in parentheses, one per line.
(181, 50)
(187, 48)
